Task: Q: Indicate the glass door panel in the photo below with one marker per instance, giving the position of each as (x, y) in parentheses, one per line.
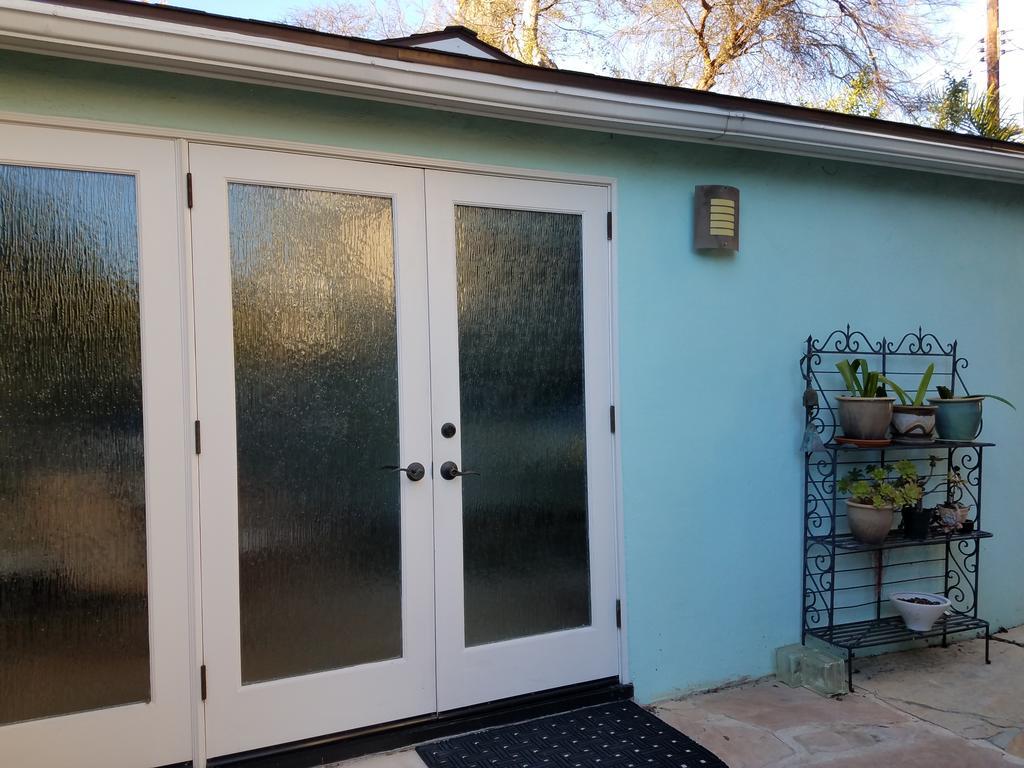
(93, 483)
(520, 316)
(316, 383)
(520, 344)
(74, 627)
(312, 357)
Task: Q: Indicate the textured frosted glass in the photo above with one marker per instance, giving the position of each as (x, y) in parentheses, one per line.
(316, 387)
(73, 614)
(525, 541)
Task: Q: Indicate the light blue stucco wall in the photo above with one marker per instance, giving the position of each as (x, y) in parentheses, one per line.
(710, 388)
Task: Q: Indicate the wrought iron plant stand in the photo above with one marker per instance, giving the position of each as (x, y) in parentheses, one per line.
(846, 582)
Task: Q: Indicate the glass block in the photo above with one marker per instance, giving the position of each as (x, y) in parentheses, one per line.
(525, 530)
(788, 662)
(824, 672)
(316, 388)
(74, 629)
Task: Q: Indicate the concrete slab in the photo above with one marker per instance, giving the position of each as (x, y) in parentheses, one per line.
(929, 708)
(1016, 746)
(908, 744)
(739, 744)
(407, 758)
(775, 706)
(952, 687)
(1003, 739)
(1015, 635)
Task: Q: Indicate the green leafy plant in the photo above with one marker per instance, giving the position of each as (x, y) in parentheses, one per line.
(898, 486)
(922, 389)
(945, 393)
(955, 108)
(909, 483)
(955, 484)
(861, 381)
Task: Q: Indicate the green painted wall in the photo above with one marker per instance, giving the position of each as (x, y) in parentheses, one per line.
(710, 399)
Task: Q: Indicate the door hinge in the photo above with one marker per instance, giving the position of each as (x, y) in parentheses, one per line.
(202, 682)
(188, 188)
(199, 438)
(609, 224)
(618, 614)
(611, 417)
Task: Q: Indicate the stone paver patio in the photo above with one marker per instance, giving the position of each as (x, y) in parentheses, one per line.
(927, 708)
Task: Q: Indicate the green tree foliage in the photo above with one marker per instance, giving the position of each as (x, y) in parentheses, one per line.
(859, 97)
(956, 108)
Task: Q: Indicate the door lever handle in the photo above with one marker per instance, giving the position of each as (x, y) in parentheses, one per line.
(450, 470)
(414, 471)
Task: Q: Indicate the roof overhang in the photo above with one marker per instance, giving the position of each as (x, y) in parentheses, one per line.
(443, 81)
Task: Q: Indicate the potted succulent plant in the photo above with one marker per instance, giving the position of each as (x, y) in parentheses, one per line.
(912, 420)
(866, 412)
(916, 519)
(959, 418)
(874, 492)
(920, 610)
(951, 514)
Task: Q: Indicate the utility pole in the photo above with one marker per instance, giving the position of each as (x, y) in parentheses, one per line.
(992, 50)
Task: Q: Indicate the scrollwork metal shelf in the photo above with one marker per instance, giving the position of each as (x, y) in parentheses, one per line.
(846, 583)
(844, 543)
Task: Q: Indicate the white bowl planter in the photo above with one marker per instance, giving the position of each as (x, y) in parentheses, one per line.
(919, 617)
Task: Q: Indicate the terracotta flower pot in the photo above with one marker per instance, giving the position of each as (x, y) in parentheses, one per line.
(952, 516)
(865, 418)
(914, 423)
(868, 524)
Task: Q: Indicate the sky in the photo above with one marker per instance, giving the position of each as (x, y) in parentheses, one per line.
(966, 27)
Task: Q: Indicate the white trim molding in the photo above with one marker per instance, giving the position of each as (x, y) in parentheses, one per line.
(132, 40)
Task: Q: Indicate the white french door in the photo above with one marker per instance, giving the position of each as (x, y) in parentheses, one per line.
(521, 388)
(313, 370)
(405, 469)
(357, 350)
(95, 669)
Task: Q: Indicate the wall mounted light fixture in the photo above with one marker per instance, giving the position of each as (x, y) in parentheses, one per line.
(716, 218)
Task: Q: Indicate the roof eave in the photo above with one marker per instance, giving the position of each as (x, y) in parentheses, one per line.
(84, 33)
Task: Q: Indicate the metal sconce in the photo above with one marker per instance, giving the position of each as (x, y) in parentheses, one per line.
(716, 218)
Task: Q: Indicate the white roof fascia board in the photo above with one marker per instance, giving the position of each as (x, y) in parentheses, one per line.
(40, 27)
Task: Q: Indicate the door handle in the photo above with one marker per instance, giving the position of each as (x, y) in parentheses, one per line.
(450, 470)
(414, 471)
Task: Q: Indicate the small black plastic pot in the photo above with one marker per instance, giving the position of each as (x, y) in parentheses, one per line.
(917, 521)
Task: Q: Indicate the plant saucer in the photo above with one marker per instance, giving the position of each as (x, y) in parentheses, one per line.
(864, 443)
(914, 440)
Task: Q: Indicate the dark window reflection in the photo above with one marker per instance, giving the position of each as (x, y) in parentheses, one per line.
(526, 555)
(316, 378)
(73, 613)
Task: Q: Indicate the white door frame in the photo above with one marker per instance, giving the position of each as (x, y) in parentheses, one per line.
(242, 717)
(157, 732)
(467, 676)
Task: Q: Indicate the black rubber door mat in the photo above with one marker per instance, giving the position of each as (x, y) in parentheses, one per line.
(616, 735)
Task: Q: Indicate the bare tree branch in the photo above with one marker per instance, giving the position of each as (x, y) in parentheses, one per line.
(783, 48)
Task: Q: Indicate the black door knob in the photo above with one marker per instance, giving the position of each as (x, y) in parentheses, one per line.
(414, 471)
(450, 470)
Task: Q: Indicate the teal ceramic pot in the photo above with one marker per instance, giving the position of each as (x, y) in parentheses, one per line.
(958, 418)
